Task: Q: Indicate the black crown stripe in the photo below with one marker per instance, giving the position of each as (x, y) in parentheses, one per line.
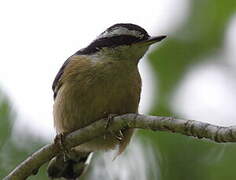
(110, 42)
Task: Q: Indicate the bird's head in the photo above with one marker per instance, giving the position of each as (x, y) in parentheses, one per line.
(122, 42)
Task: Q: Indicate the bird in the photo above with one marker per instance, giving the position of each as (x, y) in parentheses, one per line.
(97, 81)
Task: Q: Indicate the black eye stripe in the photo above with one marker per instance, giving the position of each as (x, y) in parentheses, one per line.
(110, 42)
(116, 41)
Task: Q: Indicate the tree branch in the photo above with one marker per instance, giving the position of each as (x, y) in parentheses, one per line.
(156, 123)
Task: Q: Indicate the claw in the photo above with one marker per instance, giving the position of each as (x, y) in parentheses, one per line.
(119, 136)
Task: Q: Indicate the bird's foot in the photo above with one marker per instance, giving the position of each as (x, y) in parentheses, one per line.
(60, 141)
(119, 136)
(110, 118)
(109, 121)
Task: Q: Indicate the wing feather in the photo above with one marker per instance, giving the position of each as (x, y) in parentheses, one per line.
(57, 83)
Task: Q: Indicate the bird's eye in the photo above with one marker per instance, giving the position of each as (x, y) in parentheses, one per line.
(117, 41)
(111, 42)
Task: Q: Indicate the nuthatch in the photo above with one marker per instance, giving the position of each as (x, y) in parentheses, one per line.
(97, 81)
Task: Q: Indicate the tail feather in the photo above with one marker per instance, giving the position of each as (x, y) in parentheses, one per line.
(70, 168)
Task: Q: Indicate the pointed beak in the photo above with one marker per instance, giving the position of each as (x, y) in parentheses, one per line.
(155, 39)
(152, 40)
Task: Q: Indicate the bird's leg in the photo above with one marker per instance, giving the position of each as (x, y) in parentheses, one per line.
(60, 141)
(110, 118)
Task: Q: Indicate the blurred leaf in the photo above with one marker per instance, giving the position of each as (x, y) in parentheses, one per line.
(12, 151)
(6, 116)
(202, 35)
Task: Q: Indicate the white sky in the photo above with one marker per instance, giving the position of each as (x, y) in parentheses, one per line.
(36, 37)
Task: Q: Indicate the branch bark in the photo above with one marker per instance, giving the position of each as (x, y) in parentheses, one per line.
(156, 123)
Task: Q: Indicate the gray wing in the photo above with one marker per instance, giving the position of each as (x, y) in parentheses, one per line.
(56, 83)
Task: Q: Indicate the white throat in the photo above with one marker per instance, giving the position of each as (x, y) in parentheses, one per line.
(121, 53)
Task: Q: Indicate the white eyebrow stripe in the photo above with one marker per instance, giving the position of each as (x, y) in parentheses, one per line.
(120, 31)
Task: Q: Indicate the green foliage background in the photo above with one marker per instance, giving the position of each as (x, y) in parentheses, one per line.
(182, 158)
(187, 158)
